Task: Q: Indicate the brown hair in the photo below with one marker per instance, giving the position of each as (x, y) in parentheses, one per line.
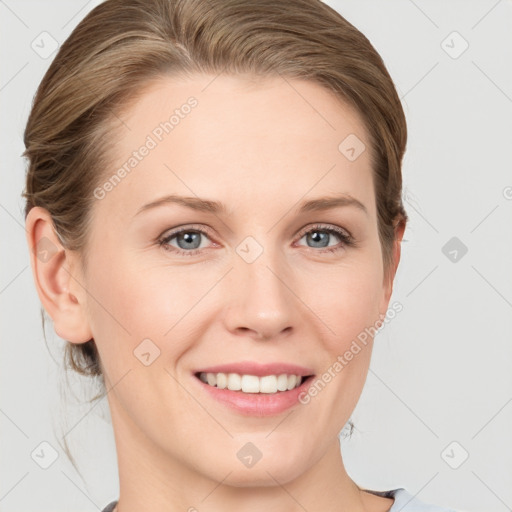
(122, 45)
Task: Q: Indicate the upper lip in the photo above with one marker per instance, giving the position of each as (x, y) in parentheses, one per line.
(260, 370)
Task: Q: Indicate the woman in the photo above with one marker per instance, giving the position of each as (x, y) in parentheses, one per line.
(214, 215)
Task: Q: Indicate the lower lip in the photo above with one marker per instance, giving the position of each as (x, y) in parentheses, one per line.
(257, 404)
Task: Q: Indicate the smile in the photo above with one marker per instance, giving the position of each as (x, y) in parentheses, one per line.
(253, 395)
(252, 383)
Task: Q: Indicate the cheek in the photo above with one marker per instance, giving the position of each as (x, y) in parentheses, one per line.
(134, 302)
(348, 303)
(348, 308)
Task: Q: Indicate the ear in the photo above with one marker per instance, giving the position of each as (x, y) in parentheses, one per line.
(59, 286)
(388, 283)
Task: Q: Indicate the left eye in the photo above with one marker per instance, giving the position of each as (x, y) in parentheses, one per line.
(319, 234)
(189, 240)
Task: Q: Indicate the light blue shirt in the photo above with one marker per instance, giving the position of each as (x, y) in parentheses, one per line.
(404, 502)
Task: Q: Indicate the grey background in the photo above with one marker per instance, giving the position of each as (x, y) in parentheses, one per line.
(440, 382)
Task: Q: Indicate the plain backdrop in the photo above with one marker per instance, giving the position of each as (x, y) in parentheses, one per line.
(435, 415)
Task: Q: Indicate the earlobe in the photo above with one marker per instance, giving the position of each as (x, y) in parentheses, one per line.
(60, 291)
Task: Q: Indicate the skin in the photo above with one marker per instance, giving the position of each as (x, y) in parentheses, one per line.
(261, 147)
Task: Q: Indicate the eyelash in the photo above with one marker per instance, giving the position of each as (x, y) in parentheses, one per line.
(345, 237)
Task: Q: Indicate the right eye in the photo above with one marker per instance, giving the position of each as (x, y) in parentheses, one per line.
(185, 236)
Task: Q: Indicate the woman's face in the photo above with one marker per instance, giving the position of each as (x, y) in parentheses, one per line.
(258, 279)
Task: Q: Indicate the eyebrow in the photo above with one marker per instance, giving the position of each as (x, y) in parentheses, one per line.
(215, 207)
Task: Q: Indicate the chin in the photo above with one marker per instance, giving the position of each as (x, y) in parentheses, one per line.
(263, 474)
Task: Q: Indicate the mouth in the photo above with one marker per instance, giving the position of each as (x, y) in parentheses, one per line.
(252, 395)
(254, 389)
(253, 384)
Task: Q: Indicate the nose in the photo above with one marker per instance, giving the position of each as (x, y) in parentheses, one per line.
(260, 299)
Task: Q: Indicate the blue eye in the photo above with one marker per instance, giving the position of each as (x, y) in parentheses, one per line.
(319, 233)
(189, 239)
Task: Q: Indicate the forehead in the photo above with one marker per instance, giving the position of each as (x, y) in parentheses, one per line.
(239, 140)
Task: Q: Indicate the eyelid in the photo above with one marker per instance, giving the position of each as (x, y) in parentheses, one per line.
(186, 227)
(209, 231)
(327, 227)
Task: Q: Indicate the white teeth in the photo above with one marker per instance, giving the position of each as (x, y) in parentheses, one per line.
(234, 382)
(222, 381)
(282, 382)
(268, 384)
(252, 383)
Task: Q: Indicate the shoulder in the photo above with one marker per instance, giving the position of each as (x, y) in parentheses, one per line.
(406, 502)
(110, 506)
